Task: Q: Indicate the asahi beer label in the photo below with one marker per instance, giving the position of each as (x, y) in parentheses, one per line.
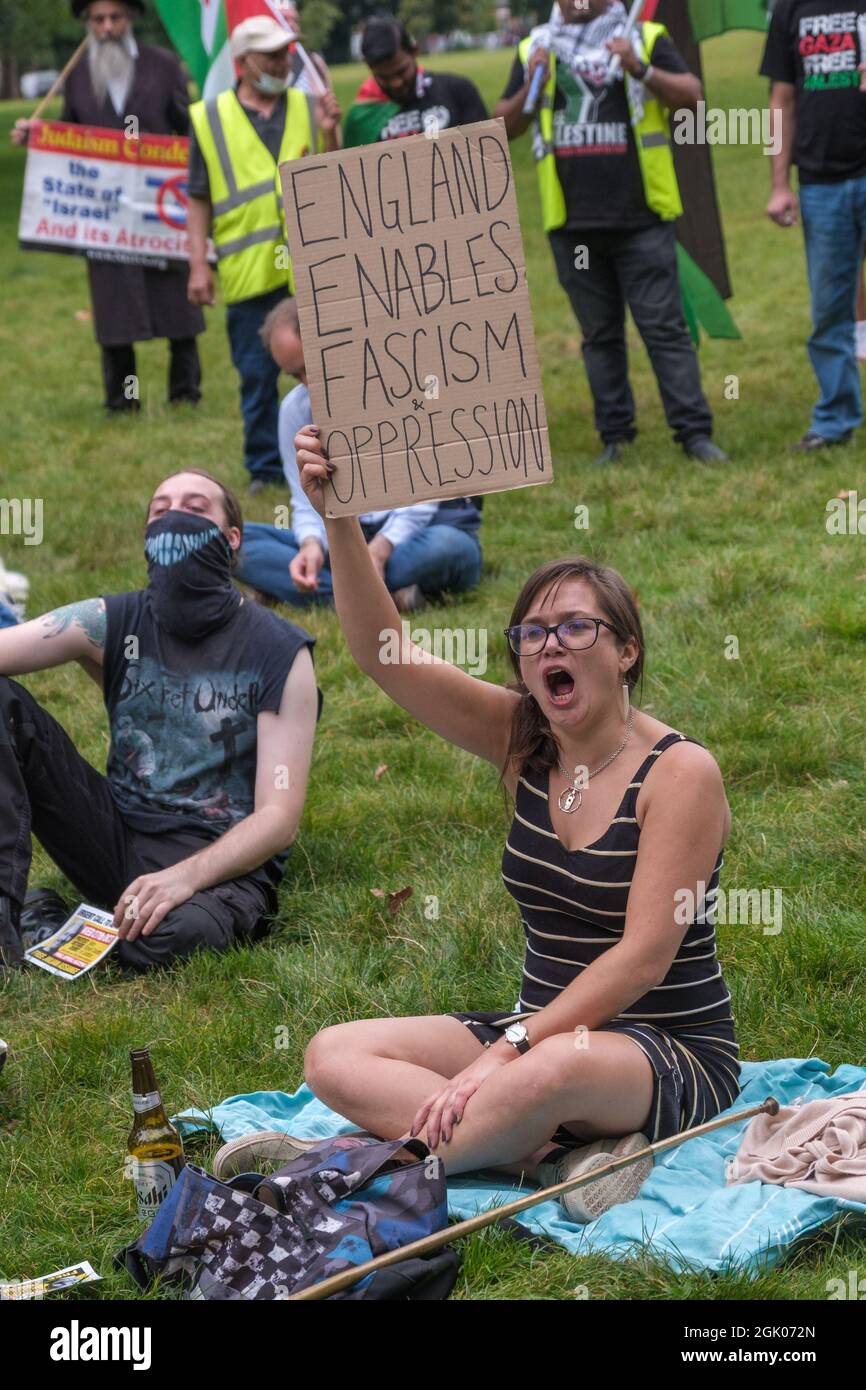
(154, 1179)
(149, 1101)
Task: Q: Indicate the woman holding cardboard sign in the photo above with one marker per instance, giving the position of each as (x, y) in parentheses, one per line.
(623, 1027)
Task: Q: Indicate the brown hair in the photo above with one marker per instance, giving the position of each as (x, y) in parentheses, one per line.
(531, 744)
(231, 505)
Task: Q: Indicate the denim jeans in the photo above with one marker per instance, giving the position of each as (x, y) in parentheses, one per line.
(259, 373)
(438, 559)
(7, 617)
(834, 224)
(638, 269)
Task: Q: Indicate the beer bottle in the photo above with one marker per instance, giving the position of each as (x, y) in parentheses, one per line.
(155, 1147)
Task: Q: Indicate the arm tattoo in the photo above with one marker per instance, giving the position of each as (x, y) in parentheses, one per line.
(89, 614)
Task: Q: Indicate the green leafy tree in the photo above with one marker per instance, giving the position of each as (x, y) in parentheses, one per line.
(43, 34)
(318, 19)
(443, 16)
(32, 36)
(419, 18)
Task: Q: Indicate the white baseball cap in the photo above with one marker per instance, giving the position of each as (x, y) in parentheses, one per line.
(259, 34)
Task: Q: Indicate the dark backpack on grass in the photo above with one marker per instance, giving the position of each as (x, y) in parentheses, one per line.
(335, 1207)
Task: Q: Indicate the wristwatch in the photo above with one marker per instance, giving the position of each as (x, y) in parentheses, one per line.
(644, 73)
(516, 1034)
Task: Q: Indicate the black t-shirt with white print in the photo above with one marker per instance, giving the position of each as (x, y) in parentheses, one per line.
(183, 715)
(440, 97)
(593, 141)
(817, 46)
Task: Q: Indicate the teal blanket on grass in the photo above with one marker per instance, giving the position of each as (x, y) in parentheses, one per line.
(684, 1214)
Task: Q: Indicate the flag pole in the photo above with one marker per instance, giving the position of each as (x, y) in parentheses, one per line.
(319, 88)
(347, 1277)
(60, 79)
(630, 26)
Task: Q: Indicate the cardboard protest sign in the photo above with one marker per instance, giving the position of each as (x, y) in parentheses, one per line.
(414, 311)
(106, 195)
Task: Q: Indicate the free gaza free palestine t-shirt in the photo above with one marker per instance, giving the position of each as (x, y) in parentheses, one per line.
(817, 46)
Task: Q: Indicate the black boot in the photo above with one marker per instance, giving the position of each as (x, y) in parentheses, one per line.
(43, 912)
(11, 953)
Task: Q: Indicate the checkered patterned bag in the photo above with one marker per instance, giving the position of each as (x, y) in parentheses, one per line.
(335, 1207)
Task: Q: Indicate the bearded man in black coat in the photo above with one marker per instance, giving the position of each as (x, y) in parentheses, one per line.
(115, 80)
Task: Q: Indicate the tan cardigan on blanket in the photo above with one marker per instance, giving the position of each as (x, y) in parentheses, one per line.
(819, 1147)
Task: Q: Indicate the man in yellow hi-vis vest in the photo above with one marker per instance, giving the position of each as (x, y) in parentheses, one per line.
(609, 200)
(238, 141)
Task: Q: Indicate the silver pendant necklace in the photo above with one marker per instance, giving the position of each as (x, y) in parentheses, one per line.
(570, 798)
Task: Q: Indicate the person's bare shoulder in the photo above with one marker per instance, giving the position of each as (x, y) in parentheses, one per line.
(688, 774)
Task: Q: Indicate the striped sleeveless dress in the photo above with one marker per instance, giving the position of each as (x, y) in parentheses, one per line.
(573, 906)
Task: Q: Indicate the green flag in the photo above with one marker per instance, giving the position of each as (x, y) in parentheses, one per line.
(199, 32)
(365, 120)
(711, 17)
(702, 303)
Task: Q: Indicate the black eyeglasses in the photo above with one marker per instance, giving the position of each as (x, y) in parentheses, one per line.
(577, 634)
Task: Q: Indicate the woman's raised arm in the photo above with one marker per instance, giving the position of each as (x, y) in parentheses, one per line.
(470, 712)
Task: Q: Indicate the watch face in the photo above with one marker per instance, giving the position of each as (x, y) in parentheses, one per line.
(515, 1032)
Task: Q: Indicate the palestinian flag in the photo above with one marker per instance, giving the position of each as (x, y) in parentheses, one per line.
(368, 115)
(700, 237)
(200, 29)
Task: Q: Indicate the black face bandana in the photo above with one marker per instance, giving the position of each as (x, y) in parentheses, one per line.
(189, 575)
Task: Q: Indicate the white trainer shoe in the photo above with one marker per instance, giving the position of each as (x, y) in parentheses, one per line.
(248, 1153)
(588, 1203)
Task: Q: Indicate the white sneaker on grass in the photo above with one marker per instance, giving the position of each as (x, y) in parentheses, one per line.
(248, 1153)
(591, 1201)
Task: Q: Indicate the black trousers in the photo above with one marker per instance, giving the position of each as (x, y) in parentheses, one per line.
(47, 789)
(638, 269)
(184, 373)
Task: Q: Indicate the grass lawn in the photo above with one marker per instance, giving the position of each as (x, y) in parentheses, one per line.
(739, 551)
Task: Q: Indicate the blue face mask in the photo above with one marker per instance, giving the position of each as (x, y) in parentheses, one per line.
(189, 575)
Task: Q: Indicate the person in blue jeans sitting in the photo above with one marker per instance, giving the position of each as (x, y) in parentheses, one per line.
(420, 551)
(816, 59)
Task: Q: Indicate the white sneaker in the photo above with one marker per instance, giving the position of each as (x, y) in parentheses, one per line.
(262, 1146)
(589, 1202)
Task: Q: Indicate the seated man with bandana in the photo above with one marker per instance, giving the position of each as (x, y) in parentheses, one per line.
(212, 704)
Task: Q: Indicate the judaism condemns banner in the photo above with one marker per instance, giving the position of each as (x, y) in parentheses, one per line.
(106, 195)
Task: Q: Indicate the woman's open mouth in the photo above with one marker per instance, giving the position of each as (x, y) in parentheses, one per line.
(559, 684)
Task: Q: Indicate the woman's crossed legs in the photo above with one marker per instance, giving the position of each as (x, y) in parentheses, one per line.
(380, 1072)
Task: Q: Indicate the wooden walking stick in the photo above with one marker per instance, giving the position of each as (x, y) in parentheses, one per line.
(60, 79)
(344, 1280)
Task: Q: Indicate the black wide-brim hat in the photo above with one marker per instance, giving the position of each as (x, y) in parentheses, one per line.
(79, 6)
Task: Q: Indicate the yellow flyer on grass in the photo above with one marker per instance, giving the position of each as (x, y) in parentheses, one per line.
(82, 942)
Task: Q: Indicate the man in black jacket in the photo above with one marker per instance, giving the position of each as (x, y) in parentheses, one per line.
(123, 85)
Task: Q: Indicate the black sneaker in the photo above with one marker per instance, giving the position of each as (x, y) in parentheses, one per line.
(704, 450)
(11, 953)
(611, 453)
(812, 442)
(43, 912)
